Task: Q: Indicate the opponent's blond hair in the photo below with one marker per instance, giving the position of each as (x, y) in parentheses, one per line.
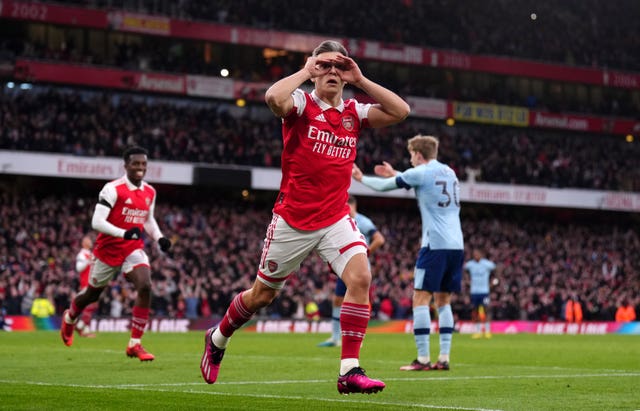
(425, 145)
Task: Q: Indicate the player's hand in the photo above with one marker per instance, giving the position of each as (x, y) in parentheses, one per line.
(315, 67)
(133, 234)
(356, 173)
(384, 170)
(348, 70)
(164, 243)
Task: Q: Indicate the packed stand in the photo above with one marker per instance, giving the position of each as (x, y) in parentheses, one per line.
(103, 124)
(178, 55)
(576, 32)
(540, 263)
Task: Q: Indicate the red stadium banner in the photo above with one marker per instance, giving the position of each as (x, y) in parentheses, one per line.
(620, 126)
(428, 107)
(397, 53)
(52, 13)
(565, 121)
(38, 71)
(159, 83)
(210, 87)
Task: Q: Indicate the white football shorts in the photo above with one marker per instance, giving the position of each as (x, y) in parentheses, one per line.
(286, 247)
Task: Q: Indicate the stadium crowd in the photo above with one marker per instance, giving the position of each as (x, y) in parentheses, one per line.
(582, 44)
(576, 32)
(102, 124)
(541, 263)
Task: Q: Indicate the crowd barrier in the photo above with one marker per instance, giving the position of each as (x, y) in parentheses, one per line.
(27, 323)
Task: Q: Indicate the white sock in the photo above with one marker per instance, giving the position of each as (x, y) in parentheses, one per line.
(134, 341)
(443, 358)
(347, 364)
(68, 320)
(423, 360)
(219, 340)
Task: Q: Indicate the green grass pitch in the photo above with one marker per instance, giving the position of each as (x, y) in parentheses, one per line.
(288, 372)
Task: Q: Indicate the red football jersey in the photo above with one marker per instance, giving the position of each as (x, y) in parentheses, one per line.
(319, 150)
(131, 206)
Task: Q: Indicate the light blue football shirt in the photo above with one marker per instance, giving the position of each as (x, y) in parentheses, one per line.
(438, 195)
(366, 226)
(479, 271)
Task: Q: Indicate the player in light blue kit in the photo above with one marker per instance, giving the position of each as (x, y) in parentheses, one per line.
(374, 240)
(438, 270)
(479, 271)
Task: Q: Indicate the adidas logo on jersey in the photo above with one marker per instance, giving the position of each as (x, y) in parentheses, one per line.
(128, 201)
(320, 117)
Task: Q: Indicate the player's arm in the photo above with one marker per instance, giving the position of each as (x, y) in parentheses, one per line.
(278, 96)
(82, 262)
(106, 200)
(376, 183)
(390, 108)
(153, 229)
(377, 241)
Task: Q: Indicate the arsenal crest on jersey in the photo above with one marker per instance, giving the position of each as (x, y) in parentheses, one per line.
(273, 266)
(147, 200)
(347, 122)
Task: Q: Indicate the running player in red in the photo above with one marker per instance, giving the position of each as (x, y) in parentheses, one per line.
(84, 261)
(320, 132)
(125, 209)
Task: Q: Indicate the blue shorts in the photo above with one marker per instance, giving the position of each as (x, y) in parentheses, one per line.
(439, 270)
(341, 288)
(479, 299)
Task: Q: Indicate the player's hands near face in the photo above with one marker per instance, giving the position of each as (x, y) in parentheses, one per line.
(356, 173)
(348, 70)
(316, 67)
(384, 170)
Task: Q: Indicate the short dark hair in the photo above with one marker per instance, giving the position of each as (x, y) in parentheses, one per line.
(330, 45)
(352, 200)
(133, 150)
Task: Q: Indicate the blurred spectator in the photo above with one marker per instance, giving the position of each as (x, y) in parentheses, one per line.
(625, 312)
(42, 307)
(573, 310)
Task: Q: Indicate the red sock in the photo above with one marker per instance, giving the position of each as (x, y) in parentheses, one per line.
(236, 316)
(139, 319)
(88, 313)
(354, 319)
(74, 310)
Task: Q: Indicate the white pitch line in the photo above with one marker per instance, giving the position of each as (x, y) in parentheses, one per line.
(244, 395)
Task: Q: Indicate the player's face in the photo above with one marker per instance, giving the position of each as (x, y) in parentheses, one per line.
(136, 168)
(329, 83)
(416, 158)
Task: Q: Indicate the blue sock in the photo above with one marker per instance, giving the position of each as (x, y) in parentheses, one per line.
(335, 324)
(445, 322)
(421, 329)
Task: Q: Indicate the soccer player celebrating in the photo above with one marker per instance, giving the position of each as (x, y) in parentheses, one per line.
(84, 261)
(438, 270)
(374, 240)
(479, 269)
(320, 132)
(125, 209)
